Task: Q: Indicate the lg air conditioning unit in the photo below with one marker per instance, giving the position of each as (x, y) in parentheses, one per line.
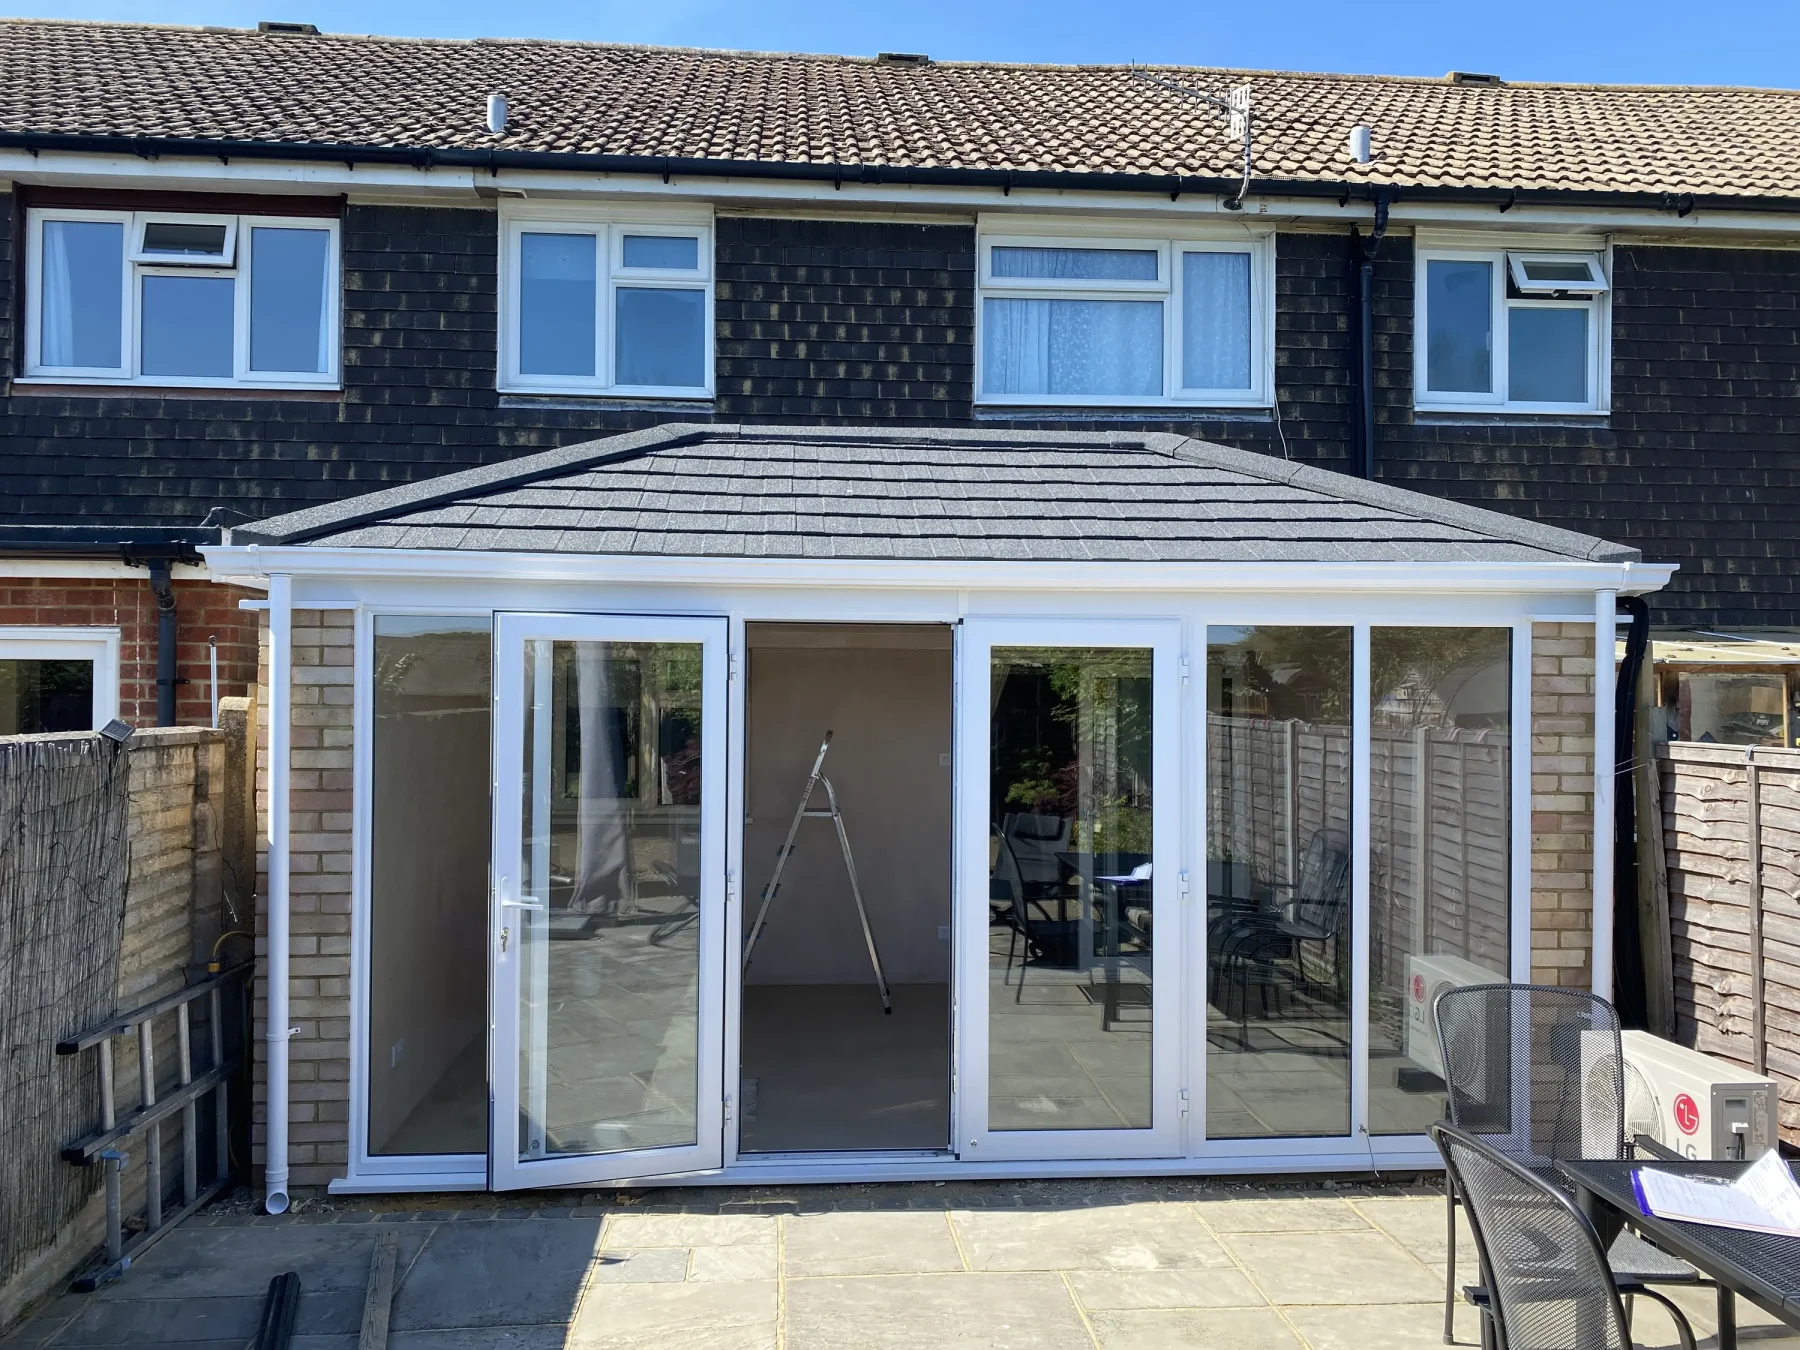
(1426, 978)
(1701, 1107)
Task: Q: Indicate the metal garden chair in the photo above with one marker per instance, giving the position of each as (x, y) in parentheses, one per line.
(1546, 1280)
(1537, 1074)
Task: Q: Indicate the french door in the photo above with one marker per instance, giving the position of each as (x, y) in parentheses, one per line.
(607, 935)
(1069, 822)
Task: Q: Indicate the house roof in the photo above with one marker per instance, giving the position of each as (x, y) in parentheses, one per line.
(645, 103)
(721, 491)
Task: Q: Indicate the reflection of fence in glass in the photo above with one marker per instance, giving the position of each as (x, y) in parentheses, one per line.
(1272, 785)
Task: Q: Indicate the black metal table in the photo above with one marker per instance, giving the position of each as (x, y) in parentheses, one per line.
(1758, 1266)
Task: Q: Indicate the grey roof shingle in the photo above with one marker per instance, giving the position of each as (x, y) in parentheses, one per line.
(135, 80)
(720, 491)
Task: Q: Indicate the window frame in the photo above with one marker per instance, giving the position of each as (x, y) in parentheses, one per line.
(1596, 303)
(133, 268)
(100, 646)
(226, 257)
(1168, 245)
(608, 230)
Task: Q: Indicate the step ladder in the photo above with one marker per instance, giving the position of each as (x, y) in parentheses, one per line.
(806, 811)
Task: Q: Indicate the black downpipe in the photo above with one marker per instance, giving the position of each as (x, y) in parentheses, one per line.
(165, 641)
(1363, 462)
(1630, 992)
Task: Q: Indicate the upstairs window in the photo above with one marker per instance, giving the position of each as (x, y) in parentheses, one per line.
(1511, 331)
(613, 308)
(116, 297)
(1124, 321)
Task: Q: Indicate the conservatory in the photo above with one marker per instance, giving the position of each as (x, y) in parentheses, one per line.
(721, 803)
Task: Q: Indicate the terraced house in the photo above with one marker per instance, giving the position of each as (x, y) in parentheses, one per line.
(609, 443)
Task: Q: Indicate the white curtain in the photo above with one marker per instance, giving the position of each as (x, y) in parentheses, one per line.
(603, 870)
(58, 342)
(1111, 348)
(1215, 320)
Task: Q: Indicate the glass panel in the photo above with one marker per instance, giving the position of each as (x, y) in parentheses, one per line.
(1547, 354)
(1543, 270)
(609, 989)
(184, 239)
(558, 287)
(1075, 264)
(1112, 348)
(40, 696)
(1459, 342)
(289, 305)
(428, 892)
(187, 325)
(83, 294)
(661, 337)
(1069, 848)
(1727, 709)
(1278, 930)
(1440, 840)
(669, 252)
(1215, 320)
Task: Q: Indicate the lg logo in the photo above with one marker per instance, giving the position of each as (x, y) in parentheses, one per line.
(1687, 1114)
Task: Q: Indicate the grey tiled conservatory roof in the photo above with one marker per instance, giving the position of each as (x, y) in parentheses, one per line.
(721, 491)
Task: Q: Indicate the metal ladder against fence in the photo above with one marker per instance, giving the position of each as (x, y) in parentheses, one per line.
(106, 1145)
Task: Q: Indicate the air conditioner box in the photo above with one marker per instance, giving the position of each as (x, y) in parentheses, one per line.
(1701, 1107)
(1427, 976)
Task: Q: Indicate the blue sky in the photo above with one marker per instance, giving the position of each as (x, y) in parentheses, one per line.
(1613, 41)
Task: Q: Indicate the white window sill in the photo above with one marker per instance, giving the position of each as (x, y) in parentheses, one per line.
(64, 384)
(607, 392)
(1135, 412)
(1449, 413)
(538, 398)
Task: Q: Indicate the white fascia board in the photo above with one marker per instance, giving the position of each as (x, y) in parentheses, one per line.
(74, 568)
(477, 187)
(1414, 578)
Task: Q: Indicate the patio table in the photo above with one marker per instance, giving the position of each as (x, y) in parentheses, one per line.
(1761, 1267)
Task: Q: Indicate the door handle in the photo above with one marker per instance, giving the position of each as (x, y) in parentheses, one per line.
(536, 906)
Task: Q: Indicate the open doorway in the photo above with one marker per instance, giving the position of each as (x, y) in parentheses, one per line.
(824, 1066)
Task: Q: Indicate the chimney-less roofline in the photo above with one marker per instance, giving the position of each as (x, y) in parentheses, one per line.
(667, 167)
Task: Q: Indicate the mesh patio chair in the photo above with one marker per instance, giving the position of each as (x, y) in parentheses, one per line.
(1546, 1281)
(1537, 1074)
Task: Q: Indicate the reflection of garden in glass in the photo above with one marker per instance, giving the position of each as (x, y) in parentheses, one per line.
(1440, 829)
(1278, 881)
(1070, 844)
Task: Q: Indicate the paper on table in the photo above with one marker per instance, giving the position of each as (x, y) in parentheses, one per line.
(1764, 1199)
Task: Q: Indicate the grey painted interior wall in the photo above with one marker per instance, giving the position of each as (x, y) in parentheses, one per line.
(886, 693)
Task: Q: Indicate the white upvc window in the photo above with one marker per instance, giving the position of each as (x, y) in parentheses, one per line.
(1125, 319)
(1511, 330)
(608, 306)
(181, 299)
(58, 679)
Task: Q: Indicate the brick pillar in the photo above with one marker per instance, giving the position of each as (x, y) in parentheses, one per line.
(1562, 804)
(319, 823)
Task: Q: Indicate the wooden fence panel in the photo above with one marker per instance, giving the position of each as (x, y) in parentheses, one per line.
(1712, 887)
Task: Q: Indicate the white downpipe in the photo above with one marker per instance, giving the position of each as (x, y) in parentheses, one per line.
(275, 1032)
(1605, 643)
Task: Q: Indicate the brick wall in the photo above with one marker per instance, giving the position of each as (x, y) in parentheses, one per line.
(203, 610)
(319, 822)
(1562, 804)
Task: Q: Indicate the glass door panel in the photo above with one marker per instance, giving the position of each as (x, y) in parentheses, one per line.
(1071, 837)
(1279, 934)
(608, 950)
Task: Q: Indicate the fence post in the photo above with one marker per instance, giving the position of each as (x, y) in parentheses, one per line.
(1759, 1049)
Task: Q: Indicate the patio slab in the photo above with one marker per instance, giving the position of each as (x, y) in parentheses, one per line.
(1114, 1265)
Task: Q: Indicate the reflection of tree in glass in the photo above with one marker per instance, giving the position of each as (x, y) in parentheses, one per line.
(1289, 672)
(1441, 677)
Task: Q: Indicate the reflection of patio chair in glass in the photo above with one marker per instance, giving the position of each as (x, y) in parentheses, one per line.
(1011, 900)
(1265, 946)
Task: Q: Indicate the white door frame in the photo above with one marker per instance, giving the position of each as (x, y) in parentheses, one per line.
(508, 909)
(975, 1140)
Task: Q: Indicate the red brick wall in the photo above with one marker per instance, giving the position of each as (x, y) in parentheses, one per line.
(202, 610)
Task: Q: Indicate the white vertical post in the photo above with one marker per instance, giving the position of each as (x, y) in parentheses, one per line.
(275, 1030)
(1523, 717)
(1605, 644)
(1360, 833)
(212, 677)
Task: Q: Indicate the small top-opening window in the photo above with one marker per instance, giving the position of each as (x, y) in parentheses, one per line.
(199, 242)
(1551, 273)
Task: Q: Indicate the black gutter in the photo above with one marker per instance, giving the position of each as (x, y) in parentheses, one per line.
(1630, 988)
(667, 167)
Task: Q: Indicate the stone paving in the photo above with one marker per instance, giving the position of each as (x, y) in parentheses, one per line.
(1141, 1265)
